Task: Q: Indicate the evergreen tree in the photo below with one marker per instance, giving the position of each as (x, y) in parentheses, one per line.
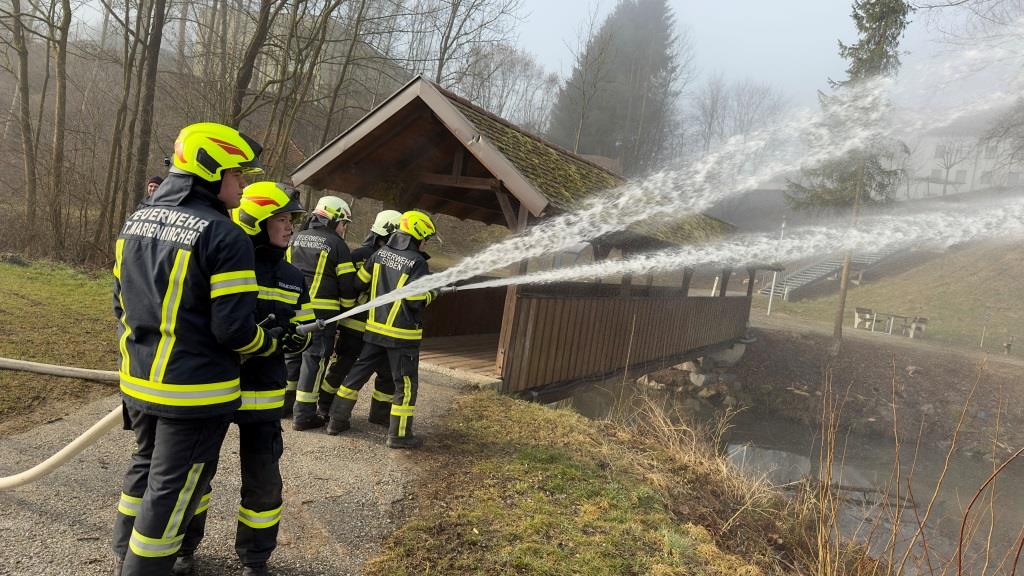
(620, 99)
(862, 176)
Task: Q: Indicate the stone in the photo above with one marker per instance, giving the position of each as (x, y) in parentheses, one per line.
(702, 380)
(688, 366)
(708, 393)
(649, 382)
(729, 402)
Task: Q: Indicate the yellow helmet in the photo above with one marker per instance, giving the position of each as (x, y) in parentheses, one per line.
(207, 149)
(386, 222)
(417, 224)
(263, 200)
(333, 208)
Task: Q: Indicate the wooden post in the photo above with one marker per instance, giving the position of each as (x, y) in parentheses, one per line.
(750, 281)
(687, 277)
(511, 309)
(726, 273)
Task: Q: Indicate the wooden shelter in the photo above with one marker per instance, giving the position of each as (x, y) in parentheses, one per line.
(427, 148)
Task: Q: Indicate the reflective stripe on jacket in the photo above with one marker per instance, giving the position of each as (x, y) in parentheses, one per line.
(398, 263)
(282, 293)
(184, 294)
(323, 257)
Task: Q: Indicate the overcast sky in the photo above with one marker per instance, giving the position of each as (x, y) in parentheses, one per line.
(790, 44)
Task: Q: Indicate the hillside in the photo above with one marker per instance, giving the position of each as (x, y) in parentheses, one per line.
(961, 292)
(59, 315)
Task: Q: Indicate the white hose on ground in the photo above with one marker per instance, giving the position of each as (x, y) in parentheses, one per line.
(77, 445)
(68, 452)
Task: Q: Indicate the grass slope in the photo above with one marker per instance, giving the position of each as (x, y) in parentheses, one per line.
(522, 489)
(960, 293)
(59, 315)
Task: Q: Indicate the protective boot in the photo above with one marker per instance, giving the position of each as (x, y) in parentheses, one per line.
(380, 413)
(184, 565)
(308, 423)
(341, 415)
(323, 405)
(400, 436)
(289, 403)
(258, 569)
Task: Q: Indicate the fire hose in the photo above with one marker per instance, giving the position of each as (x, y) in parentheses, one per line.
(88, 438)
(322, 323)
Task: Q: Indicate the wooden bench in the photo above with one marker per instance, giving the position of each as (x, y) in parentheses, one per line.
(863, 318)
(917, 327)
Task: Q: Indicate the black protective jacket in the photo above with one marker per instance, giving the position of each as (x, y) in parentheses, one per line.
(282, 293)
(184, 295)
(324, 259)
(398, 263)
(359, 257)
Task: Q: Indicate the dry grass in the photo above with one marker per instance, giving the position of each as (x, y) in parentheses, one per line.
(523, 489)
(56, 314)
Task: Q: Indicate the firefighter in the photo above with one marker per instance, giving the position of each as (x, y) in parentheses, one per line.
(184, 295)
(321, 254)
(393, 330)
(266, 214)
(351, 330)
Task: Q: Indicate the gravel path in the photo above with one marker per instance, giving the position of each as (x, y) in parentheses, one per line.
(343, 495)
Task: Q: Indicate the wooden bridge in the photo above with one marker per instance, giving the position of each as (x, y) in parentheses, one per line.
(563, 334)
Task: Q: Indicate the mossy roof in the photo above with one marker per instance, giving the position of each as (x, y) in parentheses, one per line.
(566, 179)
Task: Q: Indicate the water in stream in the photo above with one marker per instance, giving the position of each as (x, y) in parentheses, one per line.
(783, 452)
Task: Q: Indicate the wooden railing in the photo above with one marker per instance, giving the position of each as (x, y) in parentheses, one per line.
(551, 338)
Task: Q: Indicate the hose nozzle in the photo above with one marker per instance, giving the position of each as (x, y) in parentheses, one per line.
(317, 326)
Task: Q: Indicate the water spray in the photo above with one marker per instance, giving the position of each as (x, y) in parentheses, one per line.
(939, 229)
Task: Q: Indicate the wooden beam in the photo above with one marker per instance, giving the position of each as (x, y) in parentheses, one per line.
(448, 181)
(460, 157)
(524, 218)
(687, 277)
(506, 207)
(726, 273)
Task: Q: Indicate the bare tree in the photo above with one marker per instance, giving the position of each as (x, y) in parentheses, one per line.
(952, 152)
(148, 87)
(19, 33)
(462, 25)
(593, 55)
(710, 108)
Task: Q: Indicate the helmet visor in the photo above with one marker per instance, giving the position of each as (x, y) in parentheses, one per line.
(253, 166)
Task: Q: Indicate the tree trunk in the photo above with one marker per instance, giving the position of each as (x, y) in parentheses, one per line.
(156, 32)
(182, 36)
(245, 71)
(356, 26)
(844, 275)
(25, 119)
(105, 226)
(57, 204)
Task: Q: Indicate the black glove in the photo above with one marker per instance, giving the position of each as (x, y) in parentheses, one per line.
(293, 342)
(275, 334)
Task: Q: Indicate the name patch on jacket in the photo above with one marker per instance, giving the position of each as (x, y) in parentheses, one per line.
(165, 224)
(312, 242)
(394, 261)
